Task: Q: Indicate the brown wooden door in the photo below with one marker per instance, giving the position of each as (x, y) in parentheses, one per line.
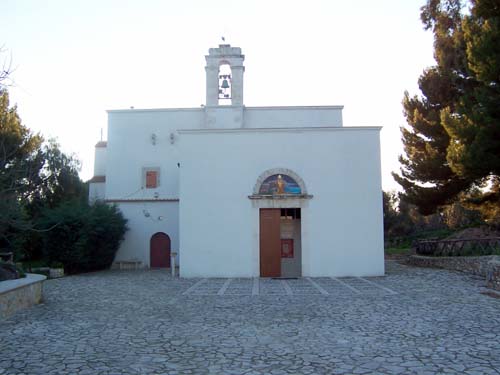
(270, 242)
(160, 251)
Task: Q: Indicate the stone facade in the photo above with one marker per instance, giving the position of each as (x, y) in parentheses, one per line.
(486, 266)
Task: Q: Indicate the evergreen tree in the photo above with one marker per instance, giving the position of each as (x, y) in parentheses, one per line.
(452, 141)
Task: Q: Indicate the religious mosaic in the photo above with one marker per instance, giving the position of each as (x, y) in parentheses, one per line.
(279, 184)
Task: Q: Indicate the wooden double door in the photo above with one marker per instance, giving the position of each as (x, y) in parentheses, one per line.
(270, 242)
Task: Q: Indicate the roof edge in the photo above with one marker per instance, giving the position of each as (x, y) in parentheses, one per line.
(201, 108)
(97, 179)
(278, 130)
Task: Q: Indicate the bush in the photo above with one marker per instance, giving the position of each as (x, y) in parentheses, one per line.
(82, 237)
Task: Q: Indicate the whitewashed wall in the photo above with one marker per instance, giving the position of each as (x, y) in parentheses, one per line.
(163, 217)
(130, 146)
(97, 191)
(100, 160)
(342, 232)
(292, 117)
(130, 149)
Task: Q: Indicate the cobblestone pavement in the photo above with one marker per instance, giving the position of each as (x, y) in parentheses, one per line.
(413, 321)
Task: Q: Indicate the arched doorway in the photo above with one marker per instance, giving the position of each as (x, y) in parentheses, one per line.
(280, 194)
(159, 251)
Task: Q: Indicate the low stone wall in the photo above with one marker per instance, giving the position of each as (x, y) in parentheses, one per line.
(20, 293)
(486, 266)
(493, 277)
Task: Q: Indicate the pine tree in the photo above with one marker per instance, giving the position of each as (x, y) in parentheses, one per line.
(452, 141)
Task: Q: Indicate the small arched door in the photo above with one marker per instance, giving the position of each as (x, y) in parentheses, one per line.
(159, 251)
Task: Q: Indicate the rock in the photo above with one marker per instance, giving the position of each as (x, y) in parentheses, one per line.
(8, 272)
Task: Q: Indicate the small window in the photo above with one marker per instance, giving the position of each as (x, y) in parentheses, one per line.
(150, 178)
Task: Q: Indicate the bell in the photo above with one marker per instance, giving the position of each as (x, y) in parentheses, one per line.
(225, 84)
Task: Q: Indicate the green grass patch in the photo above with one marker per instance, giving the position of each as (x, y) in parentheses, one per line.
(397, 250)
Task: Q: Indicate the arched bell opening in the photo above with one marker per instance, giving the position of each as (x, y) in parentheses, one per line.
(225, 84)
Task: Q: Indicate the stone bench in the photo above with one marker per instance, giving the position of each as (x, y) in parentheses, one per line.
(127, 264)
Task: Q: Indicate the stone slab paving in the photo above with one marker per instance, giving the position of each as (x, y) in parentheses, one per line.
(412, 321)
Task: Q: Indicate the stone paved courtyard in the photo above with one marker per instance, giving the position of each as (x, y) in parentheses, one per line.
(413, 321)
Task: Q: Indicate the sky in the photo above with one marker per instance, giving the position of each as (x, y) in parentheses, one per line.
(74, 59)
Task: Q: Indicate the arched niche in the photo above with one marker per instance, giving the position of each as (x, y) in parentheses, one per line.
(280, 182)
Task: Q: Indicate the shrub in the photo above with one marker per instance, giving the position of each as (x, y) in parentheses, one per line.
(83, 237)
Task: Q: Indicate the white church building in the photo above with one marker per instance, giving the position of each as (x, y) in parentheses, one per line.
(242, 191)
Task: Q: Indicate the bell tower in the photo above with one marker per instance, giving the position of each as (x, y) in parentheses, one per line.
(224, 72)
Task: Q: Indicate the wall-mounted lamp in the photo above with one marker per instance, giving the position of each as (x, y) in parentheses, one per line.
(153, 138)
(172, 138)
(146, 213)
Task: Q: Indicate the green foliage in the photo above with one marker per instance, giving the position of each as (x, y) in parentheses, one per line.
(403, 250)
(404, 224)
(34, 176)
(21, 273)
(43, 200)
(456, 216)
(403, 220)
(83, 238)
(19, 161)
(397, 222)
(30, 264)
(58, 179)
(452, 141)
